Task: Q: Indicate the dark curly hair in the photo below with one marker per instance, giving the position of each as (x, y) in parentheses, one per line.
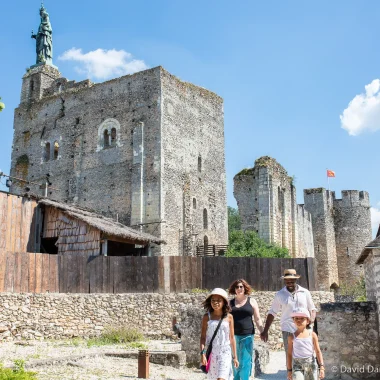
(207, 306)
(247, 287)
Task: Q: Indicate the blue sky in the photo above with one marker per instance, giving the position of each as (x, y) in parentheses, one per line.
(287, 71)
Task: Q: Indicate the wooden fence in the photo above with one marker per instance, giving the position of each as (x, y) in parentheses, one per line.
(40, 273)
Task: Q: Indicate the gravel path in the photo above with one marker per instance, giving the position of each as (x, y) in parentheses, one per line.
(96, 366)
(276, 369)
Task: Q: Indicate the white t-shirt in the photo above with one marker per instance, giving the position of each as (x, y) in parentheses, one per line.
(286, 302)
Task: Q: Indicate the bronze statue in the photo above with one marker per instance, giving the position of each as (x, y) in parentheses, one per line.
(44, 40)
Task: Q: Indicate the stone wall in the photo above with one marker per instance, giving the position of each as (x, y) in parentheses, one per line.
(349, 340)
(194, 200)
(266, 199)
(319, 202)
(152, 141)
(56, 316)
(352, 218)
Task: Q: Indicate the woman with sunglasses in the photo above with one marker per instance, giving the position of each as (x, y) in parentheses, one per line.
(244, 310)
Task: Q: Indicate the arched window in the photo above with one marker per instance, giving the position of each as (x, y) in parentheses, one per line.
(47, 152)
(194, 203)
(31, 87)
(199, 164)
(106, 137)
(113, 136)
(109, 135)
(205, 243)
(205, 219)
(56, 149)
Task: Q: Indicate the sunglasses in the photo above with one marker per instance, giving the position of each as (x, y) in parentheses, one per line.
(239, 287)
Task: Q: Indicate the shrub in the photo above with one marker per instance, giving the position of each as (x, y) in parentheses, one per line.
(116, 335)
(249, 244)
(355, 289)
(18, 373)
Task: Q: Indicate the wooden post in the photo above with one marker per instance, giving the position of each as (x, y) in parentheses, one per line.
(143, 364)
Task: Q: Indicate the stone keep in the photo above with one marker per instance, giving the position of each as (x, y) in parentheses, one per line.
(146, 149)
(341, 228)
(266, 199)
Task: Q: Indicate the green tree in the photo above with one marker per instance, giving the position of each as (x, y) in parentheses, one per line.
(233, 219)
(2, 105)
(249, 244)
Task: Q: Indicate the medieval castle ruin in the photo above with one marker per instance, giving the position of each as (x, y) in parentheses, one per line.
(145, 149)
(334, 231)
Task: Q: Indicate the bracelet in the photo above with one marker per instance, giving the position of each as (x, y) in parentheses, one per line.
(203, 352)
(290, 370)
(321, 365)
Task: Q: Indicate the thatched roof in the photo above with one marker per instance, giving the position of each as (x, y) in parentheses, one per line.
(106, 225)
(374, 244)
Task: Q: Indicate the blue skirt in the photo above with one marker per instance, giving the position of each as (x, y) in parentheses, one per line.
(244, 350)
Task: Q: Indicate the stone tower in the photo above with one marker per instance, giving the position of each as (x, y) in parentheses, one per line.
(146, 149)
(266, 199)
(352, 219)
(341, 228)
(319, 203)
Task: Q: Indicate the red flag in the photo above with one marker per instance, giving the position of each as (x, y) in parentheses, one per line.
(330, 173)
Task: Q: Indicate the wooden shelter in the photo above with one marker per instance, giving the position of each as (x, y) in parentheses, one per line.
(48, 226)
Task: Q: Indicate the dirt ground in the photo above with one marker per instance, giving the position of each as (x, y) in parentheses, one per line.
(73, 359)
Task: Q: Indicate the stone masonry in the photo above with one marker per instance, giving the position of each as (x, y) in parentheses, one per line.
(334, 231)
(58, 316)
(266, 199)
(349, 340)
(341, 229)
(146, 149)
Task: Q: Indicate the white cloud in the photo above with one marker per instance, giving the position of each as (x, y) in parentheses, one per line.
(375, 219)
(363, 112)
(104, 64)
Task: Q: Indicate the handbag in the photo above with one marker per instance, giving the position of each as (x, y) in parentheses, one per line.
(205, 368)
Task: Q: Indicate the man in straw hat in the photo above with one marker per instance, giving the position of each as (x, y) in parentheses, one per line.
(292, 296)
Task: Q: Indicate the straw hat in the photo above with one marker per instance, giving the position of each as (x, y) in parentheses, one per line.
(291, 274)
(220, 292)
(300, 312)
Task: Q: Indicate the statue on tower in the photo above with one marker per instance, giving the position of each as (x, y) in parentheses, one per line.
(44, 40)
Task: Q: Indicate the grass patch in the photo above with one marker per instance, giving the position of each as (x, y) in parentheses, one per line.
(18, 373)
(137, 345)
(116, 335)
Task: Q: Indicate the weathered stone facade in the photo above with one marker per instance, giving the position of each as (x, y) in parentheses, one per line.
(58, 316)
(334, 231)
(349, 340)
(341, 229)
(352, 222)
(266, 199)
(146, 149)
(320, 204)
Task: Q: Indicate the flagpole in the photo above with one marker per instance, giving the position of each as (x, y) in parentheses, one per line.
(328, 180)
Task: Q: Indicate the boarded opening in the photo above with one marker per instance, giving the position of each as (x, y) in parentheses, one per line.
(115, 248)
(48, 245)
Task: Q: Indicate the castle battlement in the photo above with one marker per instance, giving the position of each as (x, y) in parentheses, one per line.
(353, 198)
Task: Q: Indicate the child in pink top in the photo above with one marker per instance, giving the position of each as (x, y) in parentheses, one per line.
(302, 344)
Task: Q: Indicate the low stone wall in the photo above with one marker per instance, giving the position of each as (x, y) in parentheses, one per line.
(349, 340)
(57, 316)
